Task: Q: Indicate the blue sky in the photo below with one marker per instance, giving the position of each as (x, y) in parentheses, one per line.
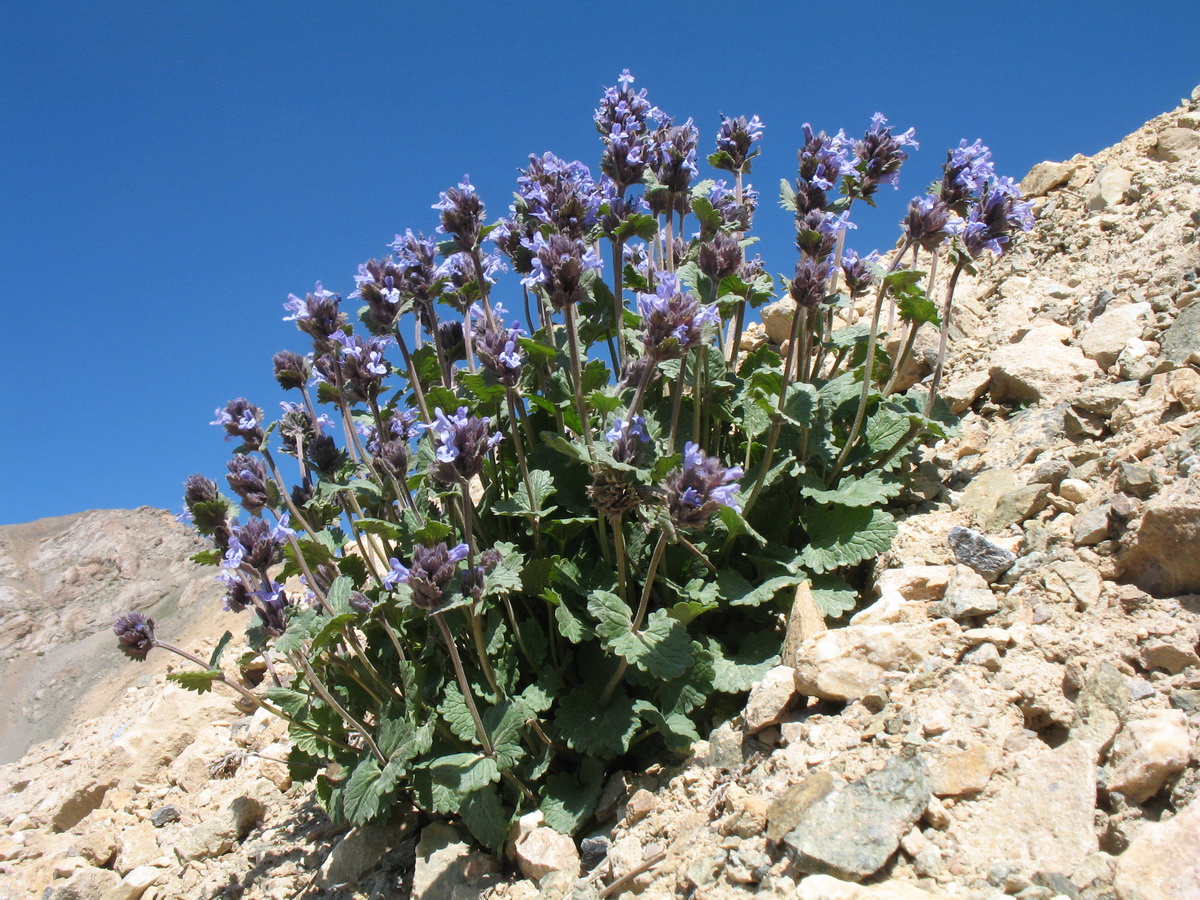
(171, 171)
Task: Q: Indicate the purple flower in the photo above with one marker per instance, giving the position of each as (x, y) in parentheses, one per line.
(462, 442)
(291, 369)
(735, 137)
(878, 157)
(857, 272)
(627, 437)
(623, 108)
(241, 418)
(817, 231)
(317, 315)
(928, 222)
(558, 267)
(256, 545)
(694, 492)
(135, 635)
(823, 161)
(672, 319)
(416, 258)
(498, 349)
(429, 576)
(672, 157)
(559, 193)
(271, 605)
(462, 214)
(720, 257)
(248, 479)
(993, 217)
(808, 288)
(967, 170)
(379, 282)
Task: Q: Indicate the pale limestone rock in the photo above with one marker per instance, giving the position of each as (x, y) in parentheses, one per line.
(1108, 188)
(1042, 818)
(770, 699)
(1146, 753)
(137, 846)
(135, 883)
(1163, 860)
(543, 851)
(1046, 176)
(915, 582)
(442, 861)
(1177, 144)
(954, 770)
(1108, 335)
(1161, 559)
(1075, 490)
(845, 663)
(888, 610)
(1039, 367)
(777, 320)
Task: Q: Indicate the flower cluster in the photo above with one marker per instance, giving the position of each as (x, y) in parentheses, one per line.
(463, 441)
(673, 319)
(695, 490)
(242, 419)
(429, 576)
(135, 635)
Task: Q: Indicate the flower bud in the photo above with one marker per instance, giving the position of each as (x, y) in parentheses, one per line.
(135, 634)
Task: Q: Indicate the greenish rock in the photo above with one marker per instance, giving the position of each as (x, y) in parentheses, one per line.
(852, 833)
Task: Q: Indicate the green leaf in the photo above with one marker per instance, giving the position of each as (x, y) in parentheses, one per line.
(567, 804)
(844, 535)
(207, 557)
(662, 648)
(787, 195)
(737, 672)
(214, 661)
(833, 596)
(801, 404)
(506, 577)
(481, 387)
(200, 682)
(503, 723)
(398, 740)
(740, 592)
(914, 306)
(902, 278)
(432, 533)
(569, 626)
(465, 772)
(302, 627)
(381, 527)
(677, 729)
(600, 732)
(457, 714)
(360, 800)
(485, 816)
(867, 490)
(520, 505)
(294, 703)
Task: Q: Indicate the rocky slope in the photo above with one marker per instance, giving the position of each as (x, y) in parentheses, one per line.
(1017, 714)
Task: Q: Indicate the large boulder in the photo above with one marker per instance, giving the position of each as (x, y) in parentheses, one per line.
(1039, 367)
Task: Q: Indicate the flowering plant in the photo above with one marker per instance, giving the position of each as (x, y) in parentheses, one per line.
(513, 553)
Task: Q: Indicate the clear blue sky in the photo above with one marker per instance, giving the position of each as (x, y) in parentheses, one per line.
(169, 172)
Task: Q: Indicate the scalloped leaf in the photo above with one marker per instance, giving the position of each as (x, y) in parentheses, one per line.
(486, 818)
(360, 798)
(662, 648)
(867, 490)
(599, 732)
(567, 804)
(844, 535)
(833, 596)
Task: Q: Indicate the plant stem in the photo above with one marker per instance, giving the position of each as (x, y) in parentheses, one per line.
(577, 379)
(659, 549)
(517, 444)
(619, 306)
(476, 622)
(868, 367)
(413, 381)
(944, 335)
(464, 685)
(301, 663)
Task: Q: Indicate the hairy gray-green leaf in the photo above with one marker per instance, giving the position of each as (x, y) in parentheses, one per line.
(867, 490)
(844, 535)
(600, 732)
(661, 648)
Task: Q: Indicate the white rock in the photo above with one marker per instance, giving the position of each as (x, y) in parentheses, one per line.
(1146, 753)
(1108, 335)
(1163, 860)
(915, 582)
(845, 663)
(1177, 144)
(135, 883)
(1039, 367)
(1108, 188)
(543, 851)
(1046, 176)
(770, 699)
(1075, 490)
